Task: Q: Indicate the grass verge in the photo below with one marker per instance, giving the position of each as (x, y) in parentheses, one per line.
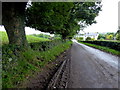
(106, 49)
(19, 65)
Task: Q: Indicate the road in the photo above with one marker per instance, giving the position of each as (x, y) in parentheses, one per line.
(92, 68)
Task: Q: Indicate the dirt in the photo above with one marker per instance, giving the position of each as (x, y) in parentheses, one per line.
(62, 76)
(42, 79)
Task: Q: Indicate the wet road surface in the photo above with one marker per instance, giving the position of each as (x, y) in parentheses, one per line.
(92, 68)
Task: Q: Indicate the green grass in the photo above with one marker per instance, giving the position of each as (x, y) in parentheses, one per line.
(30, 38)
(109, 40)
(3, 37)
(19, 65)
(106, 49)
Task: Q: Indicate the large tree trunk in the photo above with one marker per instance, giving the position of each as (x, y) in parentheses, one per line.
(13, 20)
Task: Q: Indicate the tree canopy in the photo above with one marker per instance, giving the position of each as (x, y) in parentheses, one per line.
(53, 17)
(61, 17)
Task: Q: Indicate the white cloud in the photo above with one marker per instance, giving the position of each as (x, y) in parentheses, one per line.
(29, 31)
(2, 28)
(107, 21)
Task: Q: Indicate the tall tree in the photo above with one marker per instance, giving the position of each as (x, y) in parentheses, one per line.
(48, 17)
(61, 18)
(14, 22)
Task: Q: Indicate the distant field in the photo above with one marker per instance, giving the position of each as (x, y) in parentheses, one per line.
(3, 37)
(30, 38)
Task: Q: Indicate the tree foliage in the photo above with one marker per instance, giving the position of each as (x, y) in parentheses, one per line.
(118, 35)
(106, 36)
(61, 17)
(101, 36)
(88, 38)
(53, 17)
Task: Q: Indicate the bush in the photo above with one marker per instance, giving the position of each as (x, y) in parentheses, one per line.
(43, 46)
(113, 45)
(106, 49)
(88, 39)
(79, 38)
(18, 64)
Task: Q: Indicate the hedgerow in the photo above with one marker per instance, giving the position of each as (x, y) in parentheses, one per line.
(106, 49)
(19, 63)
(112, 45)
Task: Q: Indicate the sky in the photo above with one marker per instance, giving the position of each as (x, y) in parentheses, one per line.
(107, 20)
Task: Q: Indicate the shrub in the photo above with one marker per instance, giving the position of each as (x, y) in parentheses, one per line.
(18, 63)
(88, 39)
(113, 45)
(80, 38)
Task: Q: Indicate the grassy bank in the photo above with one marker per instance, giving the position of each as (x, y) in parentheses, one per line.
(30, 38)
(110, 40)
(106, 49)
(18, 64)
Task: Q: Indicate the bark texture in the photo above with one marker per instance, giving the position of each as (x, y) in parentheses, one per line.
(14, 22)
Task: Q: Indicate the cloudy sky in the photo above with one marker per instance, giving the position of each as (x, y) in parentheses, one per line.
(107, 21)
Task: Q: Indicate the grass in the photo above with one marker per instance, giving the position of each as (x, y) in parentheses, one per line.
(30, 38)
(3, 37)
(106, 49)
(19, 65)
(110, 40)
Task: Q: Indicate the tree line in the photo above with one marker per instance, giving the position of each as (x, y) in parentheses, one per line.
(109, 36)
(53, 17)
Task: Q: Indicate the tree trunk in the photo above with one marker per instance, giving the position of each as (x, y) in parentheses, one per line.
(14, 22)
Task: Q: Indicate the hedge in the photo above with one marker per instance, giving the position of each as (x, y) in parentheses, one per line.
(113, 45)
(45, 45)
(19, 63)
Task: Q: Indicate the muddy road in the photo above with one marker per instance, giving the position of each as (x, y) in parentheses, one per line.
(92, 68)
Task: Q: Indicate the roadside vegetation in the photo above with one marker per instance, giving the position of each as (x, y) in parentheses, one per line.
(106, 49)
(19, 63)
(112, 45)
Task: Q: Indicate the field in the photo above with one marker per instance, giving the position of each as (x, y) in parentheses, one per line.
(30, 38)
